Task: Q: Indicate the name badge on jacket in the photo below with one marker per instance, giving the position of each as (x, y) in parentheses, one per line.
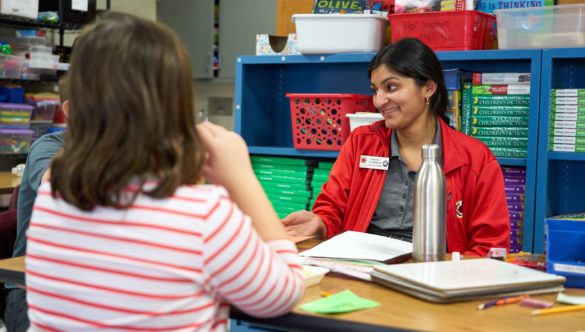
(373, 162)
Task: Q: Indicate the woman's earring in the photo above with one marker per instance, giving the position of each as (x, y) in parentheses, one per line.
(428, 98)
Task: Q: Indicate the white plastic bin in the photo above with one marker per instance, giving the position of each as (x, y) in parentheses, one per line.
(362, 119)
(339, 33)
(541, 27)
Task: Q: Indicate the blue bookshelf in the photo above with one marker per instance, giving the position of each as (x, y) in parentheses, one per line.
(561, 175)
(262, 112)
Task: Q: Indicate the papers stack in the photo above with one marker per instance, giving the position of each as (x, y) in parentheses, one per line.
(355, 253)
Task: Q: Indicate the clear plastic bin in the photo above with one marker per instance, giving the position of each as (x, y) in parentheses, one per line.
(541, 27)
(14, 141)
(10, 66)
(44, 110)
(15, 115)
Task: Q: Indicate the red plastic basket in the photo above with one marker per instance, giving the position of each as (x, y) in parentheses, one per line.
(319, 121)
(446, 31)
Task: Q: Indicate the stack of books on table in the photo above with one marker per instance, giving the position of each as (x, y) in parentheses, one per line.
(471, 279)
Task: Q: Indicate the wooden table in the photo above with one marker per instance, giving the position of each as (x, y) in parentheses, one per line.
(8, 182)
(396, 312)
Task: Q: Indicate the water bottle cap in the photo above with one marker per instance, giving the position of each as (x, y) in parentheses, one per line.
(431, 151)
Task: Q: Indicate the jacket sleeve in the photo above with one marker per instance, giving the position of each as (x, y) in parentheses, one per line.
(489, 226)
(331, 204)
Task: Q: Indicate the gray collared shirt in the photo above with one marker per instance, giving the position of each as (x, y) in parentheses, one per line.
(393, 216)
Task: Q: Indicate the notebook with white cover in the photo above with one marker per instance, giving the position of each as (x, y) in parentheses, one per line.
(451, 281)
(358, 245)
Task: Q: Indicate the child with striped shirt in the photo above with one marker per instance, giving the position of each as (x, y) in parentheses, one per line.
(123, 236)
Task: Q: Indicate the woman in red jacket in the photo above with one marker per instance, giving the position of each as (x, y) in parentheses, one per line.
(409, 91)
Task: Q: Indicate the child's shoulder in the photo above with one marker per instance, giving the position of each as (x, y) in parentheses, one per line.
(204, 192)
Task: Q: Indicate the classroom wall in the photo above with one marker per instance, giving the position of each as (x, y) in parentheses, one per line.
(142, 8)
(204, 91)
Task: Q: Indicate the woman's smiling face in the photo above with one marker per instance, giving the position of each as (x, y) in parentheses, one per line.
(398, 98)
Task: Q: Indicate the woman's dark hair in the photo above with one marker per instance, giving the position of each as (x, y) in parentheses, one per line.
(131, 115)
(412, 58)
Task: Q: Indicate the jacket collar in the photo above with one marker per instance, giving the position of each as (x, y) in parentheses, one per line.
(451, 157)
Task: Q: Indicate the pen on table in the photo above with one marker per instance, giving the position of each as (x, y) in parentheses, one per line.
(558, 310)
(325, 294)
(506, 300)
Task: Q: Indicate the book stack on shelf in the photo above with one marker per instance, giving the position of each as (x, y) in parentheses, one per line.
(495, 110)
(515, 187)
(567, 120)
(286, 181)
(320, 176)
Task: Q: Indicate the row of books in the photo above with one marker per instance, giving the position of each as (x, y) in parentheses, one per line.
(494, 108)
(291, 184)
(567, 120)
(515, 187)
(286, 182)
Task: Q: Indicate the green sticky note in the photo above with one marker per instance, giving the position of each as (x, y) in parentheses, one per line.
(341, 302)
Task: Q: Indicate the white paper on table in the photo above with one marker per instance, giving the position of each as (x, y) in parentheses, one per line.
(358, 245)
(564, 298)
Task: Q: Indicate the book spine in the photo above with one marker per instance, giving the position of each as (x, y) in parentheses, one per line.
(566, 132)
(501, 110)
(467, 100)
(567, 124)
(497, 131)
(567, 108)
(566, 147)
(513, 142)
(496, 121)
(506, 152)
(501, 78)
(568, 101)
(578, 117)
(508, 100)
(500, 89)
(568, 93)
(571, 140)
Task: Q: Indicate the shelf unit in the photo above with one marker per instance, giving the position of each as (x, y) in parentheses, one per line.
(561, 175)
(262, 113)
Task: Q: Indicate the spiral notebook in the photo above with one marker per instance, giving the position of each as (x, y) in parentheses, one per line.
(453, 281)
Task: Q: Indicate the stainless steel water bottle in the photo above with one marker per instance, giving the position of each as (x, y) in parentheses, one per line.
(429, 234)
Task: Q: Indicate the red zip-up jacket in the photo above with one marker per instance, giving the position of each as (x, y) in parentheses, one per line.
(477, 212)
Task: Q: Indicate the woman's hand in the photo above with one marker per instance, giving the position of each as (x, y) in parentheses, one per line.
(304, 223)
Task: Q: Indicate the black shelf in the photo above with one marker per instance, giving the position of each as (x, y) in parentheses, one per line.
(12, 21)
(20, 81)
(13, 155)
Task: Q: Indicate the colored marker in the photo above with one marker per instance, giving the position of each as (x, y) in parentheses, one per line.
(325, 294)
(503, 301)
(557, 310)
(536, 303)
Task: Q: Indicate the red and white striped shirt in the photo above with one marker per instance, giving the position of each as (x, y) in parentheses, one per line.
(169, 264)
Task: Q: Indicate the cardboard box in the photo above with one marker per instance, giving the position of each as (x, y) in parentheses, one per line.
(277, 45)
(284, 12)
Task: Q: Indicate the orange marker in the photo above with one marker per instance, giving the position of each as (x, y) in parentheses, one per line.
(506, 300)
(325, 294)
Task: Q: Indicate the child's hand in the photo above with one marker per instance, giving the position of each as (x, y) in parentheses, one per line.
(227, 161)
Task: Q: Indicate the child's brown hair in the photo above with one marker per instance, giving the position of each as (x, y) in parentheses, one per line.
(131, 114)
